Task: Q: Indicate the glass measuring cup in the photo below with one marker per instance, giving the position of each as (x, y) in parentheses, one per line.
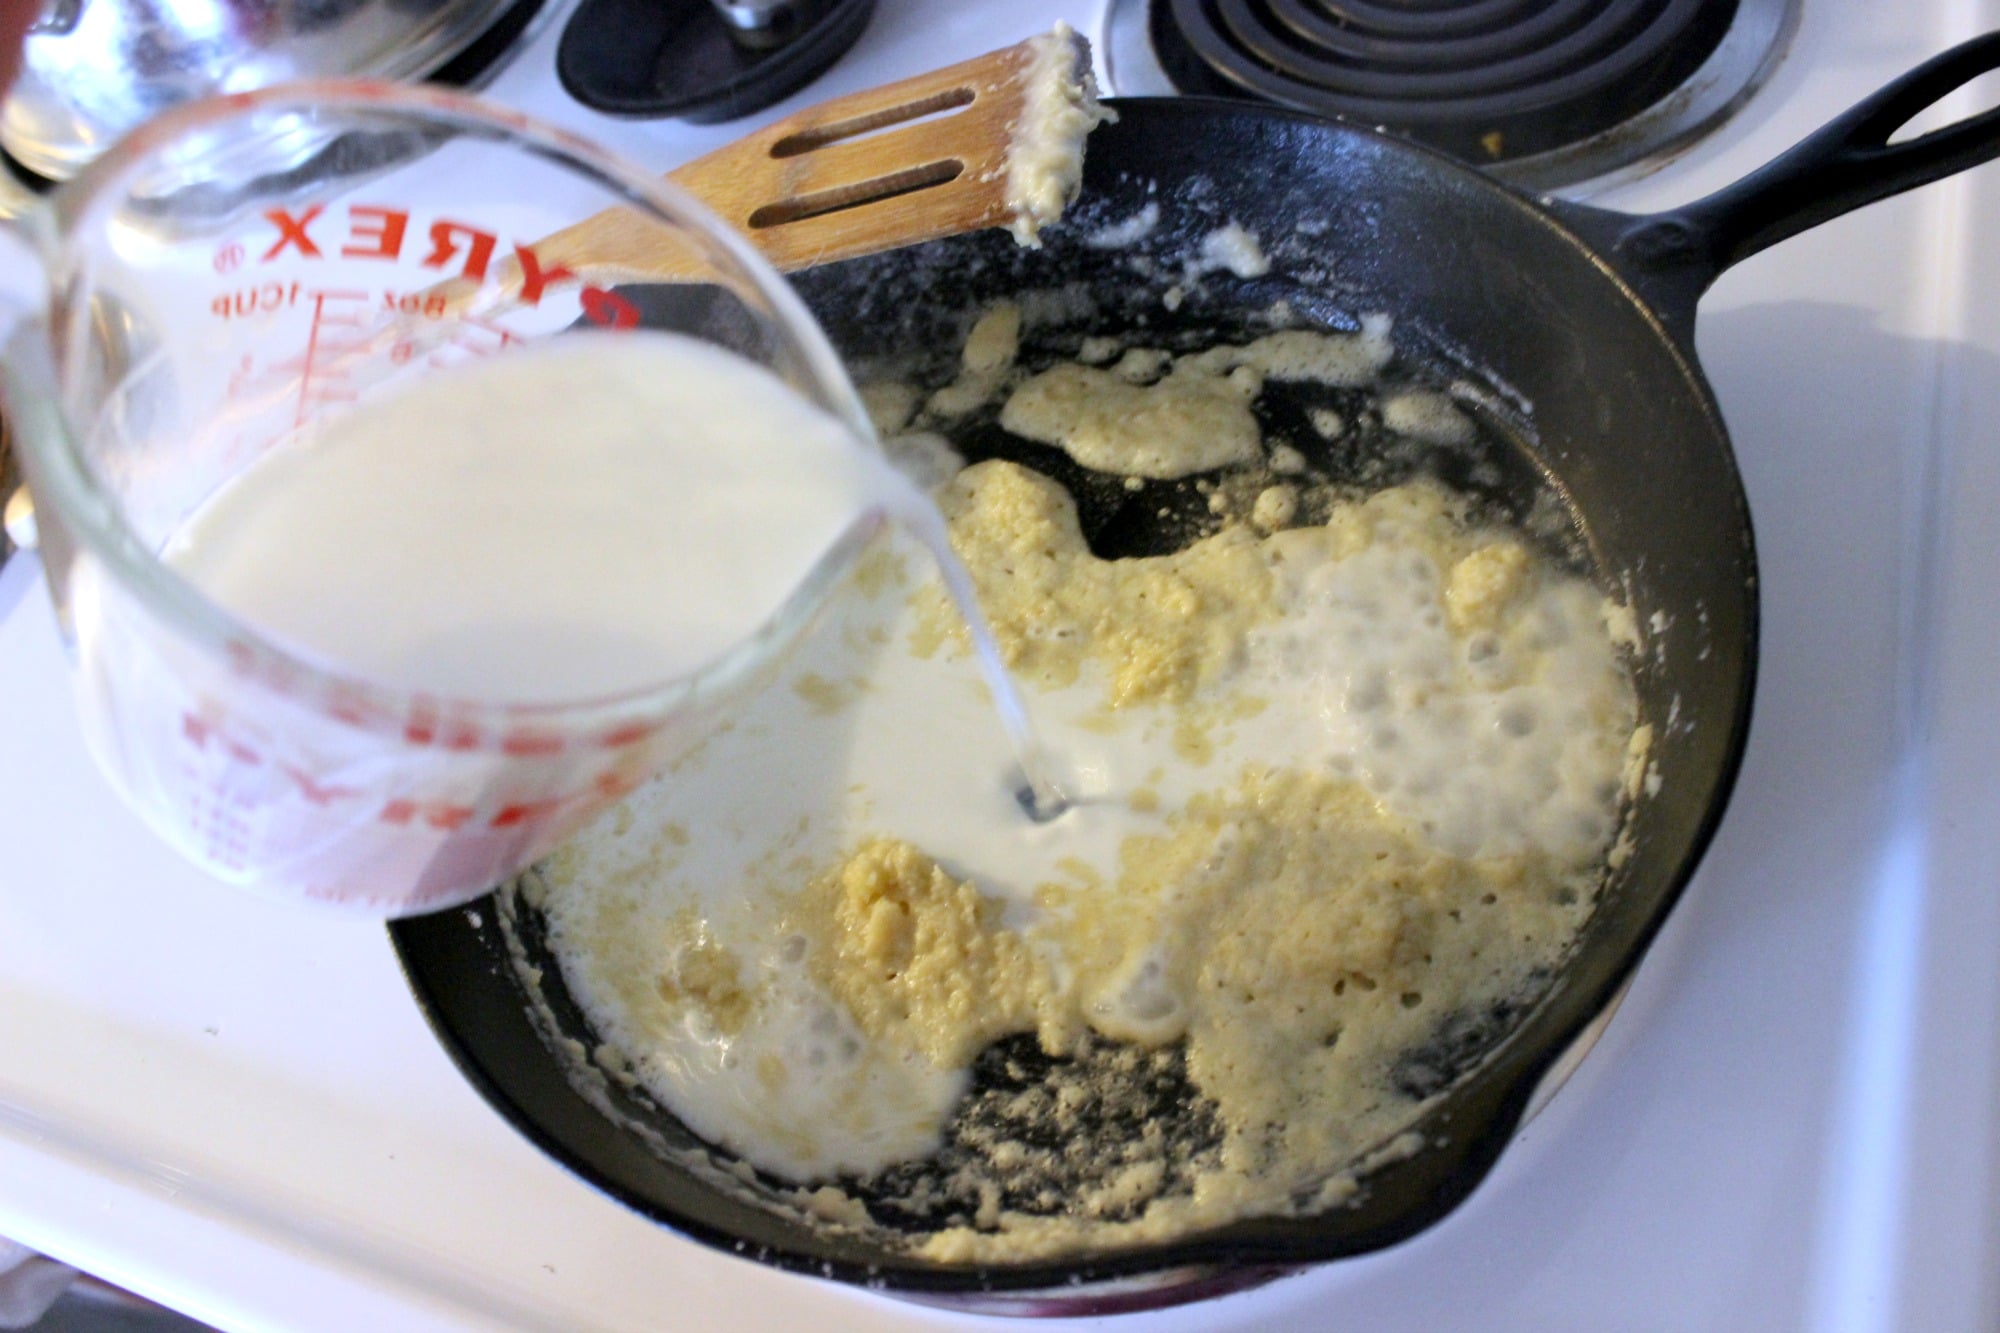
(244, 269)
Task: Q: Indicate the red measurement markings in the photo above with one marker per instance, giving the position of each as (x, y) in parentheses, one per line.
(473, 337)
(326, 364)
(242, 379)
(347, 327)
(205, 735)
(415, 305)
(264, 298)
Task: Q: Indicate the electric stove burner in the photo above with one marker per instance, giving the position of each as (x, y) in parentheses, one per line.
(1546, 92)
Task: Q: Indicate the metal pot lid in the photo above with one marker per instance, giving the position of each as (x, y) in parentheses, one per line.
(94, 69)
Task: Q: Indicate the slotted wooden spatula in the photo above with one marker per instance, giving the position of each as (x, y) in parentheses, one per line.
(854, 175)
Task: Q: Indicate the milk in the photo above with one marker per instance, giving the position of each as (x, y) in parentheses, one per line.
(589, 516)
(865, 735)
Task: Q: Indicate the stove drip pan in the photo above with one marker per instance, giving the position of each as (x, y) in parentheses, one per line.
(1543, 92)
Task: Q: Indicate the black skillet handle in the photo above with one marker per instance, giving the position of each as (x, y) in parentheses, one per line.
(1672, 257)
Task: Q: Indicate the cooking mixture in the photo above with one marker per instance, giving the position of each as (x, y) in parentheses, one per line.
(1347, 770)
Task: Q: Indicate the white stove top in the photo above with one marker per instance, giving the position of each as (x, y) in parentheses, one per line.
(234, 1107)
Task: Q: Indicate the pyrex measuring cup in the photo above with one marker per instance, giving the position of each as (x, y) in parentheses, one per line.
(240, 270)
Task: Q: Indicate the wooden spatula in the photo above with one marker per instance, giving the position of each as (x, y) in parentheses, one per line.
(893, 166)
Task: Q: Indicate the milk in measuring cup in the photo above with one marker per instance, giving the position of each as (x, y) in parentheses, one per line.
(383, 561)
(572, 520)
(580, 517)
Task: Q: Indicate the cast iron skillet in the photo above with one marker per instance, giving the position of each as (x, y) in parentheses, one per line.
(1581, 318)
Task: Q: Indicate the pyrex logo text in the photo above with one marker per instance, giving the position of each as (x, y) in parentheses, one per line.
(377, 232)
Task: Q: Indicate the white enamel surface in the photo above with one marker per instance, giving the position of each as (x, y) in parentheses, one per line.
(1790, 1124)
